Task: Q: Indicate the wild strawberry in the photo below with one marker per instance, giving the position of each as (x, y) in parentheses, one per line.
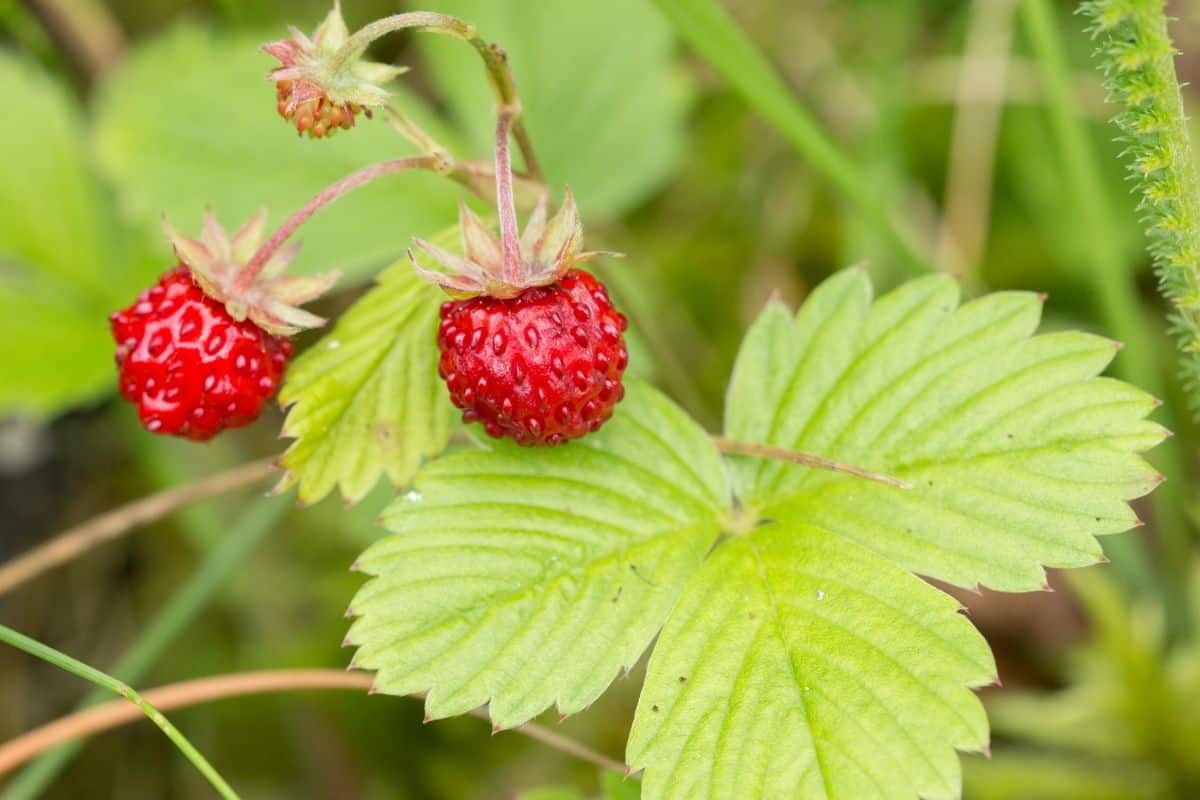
(191, 369)
(316, 88)
(534, 349)
(540, 368)
(200, 352)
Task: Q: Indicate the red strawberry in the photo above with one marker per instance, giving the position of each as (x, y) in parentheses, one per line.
(191, 369)
(540, 368)
(533, 349)
(205, 348)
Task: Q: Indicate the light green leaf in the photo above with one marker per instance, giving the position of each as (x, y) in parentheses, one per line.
(62, 267)
(366, 399)
(529, 578)
(188, 122)
(1020, 456)
(602, 95)
(799, 664)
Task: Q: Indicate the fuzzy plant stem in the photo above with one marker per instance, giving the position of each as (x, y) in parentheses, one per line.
(732, 447)
(495, 61)
(326, 196)
(506, 204)
(476, 176)
(1115, 289)
(1137, 58)
(105, 681)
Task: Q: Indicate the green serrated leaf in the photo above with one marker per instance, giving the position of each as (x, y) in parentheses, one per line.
(188, 121)
(528, 578)
(799, 664)
(614, 130)
(1019, 454)
(366, 399)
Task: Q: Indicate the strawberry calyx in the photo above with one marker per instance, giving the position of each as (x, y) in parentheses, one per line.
(224, 268)
(549, 248)
(317, 89)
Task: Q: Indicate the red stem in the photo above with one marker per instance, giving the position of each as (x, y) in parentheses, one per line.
(326, 196)
(510, 237)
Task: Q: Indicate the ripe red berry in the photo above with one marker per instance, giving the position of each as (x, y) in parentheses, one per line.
(191, 368)
(539, 368)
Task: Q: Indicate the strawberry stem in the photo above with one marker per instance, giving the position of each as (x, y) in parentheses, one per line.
(326, 196)
(476, 176)
(495, 60)
(506, 204)
(734, 447)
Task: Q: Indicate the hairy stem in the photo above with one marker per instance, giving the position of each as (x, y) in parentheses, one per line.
(1114, 287)
(140, 704)
(98, 719)
(323, 198)
(1137, 58)
(495, 61)
(110, 525)
(506, 204)
(755, 450)
(476, 176)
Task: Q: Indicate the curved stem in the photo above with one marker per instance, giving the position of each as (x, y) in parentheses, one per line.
(231, 551)
(495, 61)
(113, 524)
(141, 706)
(734, 447)
(476, 176)
(105, 717)
(326, 196)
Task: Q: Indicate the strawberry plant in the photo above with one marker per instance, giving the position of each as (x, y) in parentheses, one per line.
(789, 575)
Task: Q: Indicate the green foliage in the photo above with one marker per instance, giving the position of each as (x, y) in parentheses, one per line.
(188, 122)
(606, 119)
(526, 579)
(1129, 713)
(803, 655)
(1136, 56)
(798, 664)
(59, 254)
(1019, 455)
(706, 26)
(366, 400)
